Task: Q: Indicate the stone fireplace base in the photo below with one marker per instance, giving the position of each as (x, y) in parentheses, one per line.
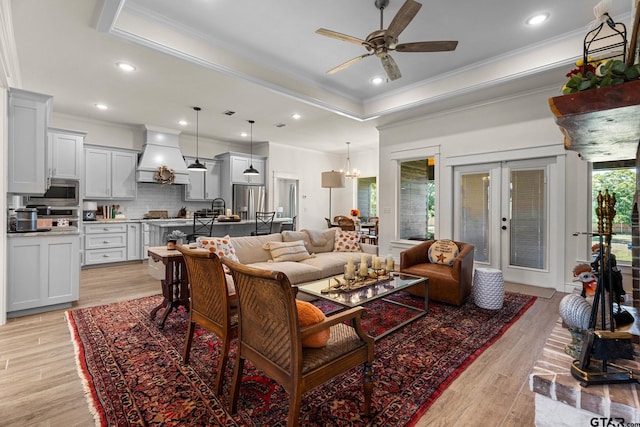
(561, 401)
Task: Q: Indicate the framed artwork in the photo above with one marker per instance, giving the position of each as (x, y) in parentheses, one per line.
(634, 45)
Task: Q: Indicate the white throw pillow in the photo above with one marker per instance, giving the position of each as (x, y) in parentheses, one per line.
(443, 252)
(287, 251)
(347, 241)
(221, 246)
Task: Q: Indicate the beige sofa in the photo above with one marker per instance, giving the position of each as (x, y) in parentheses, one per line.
(324, 262)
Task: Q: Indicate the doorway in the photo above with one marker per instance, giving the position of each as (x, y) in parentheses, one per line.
(505, 209)
(285, 195)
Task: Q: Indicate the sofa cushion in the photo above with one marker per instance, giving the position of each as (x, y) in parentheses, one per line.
(316, 241)
(332, 263)
(309, 314)
(297, 272)
(221, 246)
(347, 241)
(443, 252)
(287, 251)
(249, 249)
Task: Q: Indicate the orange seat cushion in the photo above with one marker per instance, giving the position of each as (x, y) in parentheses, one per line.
(309, 314)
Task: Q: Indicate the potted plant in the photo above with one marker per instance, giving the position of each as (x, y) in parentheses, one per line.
(174, 237)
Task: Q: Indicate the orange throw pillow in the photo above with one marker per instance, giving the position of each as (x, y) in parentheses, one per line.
(309, 314)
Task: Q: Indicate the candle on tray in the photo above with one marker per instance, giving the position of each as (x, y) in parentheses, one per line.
(389, 263)
(351, 269)
(375, 263)
(364, 270)
(229, 212)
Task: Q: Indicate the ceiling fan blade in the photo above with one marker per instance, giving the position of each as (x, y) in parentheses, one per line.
(340, 36)
(348, 63)
(434, 46)
(390, 67)
(407, 12)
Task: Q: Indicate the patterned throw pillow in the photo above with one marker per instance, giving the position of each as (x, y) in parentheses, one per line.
(309, 314)
(347, 241)
(443, 252)
(221, 246)
(287, 251)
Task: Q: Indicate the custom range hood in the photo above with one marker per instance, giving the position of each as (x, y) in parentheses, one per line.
(161, 148)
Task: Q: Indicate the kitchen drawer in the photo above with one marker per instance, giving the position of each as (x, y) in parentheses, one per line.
(103, 256)
(120, 227)
(105, 241)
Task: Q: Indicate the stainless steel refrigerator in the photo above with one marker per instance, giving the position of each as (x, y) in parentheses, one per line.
(249, 199)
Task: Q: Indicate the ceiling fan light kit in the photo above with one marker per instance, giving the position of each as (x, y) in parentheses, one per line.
(381, 42)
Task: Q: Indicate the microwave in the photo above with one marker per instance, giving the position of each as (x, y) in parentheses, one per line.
(61, 192)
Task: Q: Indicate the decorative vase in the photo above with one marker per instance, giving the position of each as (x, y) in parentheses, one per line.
(171, 244)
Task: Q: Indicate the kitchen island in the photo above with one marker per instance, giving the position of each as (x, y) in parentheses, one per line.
(160, 228)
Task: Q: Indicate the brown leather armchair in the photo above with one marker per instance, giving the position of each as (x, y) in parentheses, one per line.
(449, 284)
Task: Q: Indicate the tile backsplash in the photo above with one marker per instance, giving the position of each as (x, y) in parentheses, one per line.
(153, 197)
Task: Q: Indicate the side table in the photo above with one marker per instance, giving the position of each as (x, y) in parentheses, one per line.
(175, 285)
(488, 288)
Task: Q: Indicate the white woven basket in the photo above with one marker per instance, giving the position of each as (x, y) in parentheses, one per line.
(488, 288)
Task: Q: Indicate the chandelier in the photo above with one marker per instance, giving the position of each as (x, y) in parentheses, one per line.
(348, 171)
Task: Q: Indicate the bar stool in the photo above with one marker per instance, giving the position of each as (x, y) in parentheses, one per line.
(488, 288)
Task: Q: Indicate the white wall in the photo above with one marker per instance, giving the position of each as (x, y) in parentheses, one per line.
(307, 166)
(516, 123)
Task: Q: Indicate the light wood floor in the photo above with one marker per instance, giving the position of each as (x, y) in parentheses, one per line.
(40, 386)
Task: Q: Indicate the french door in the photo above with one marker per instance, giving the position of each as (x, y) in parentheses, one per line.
(504, 209)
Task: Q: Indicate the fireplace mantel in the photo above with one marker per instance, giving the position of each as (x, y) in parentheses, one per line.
(600, 124)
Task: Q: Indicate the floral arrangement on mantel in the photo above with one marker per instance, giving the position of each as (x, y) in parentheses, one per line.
(601, 74)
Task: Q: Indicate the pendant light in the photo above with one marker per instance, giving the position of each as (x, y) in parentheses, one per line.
(348, 172)
(251, 170)
(197, 166)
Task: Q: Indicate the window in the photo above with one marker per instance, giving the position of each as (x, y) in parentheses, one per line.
(367, 197)
(619, 178)
(417, 199)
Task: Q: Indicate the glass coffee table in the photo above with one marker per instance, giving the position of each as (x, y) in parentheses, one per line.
(379, 290)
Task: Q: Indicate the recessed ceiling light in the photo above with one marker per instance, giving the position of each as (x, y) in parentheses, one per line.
(244, 134)
(183, 122)
(537, 19)
(377, 80)
(125, 67)
(296, 116)
(101, 107)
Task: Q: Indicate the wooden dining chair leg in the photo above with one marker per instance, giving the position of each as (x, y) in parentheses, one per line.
(222, 363)
(187, 342)
(235, 384)
(367, 380)
(295, 400)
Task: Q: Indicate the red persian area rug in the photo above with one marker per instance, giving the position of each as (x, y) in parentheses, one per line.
(134, 375)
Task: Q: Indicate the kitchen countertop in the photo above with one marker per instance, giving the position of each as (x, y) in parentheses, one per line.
(55, 231)
(163, 222)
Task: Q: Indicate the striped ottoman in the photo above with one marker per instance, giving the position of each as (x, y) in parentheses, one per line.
(488, 288)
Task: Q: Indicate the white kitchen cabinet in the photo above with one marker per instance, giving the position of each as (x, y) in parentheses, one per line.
(42, 271)
(203, 185)
(105, 243)
(109, 174)
(28, 120)
(65, 154)
(134, 241)
(234, 165)
(232, 172)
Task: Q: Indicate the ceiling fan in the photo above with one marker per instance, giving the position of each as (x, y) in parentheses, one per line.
(381, 42)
